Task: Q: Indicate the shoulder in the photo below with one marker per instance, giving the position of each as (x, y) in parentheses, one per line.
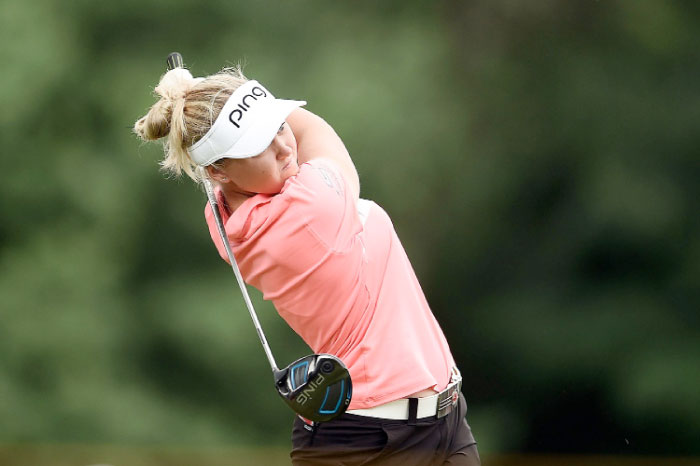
(329, 173)
(319, 199)
(319, 177)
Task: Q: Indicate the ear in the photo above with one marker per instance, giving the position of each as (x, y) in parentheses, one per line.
(216, 174)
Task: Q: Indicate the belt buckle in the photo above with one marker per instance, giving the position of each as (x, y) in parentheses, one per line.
(448, 399)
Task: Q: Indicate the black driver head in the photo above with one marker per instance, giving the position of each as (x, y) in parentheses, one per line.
(317, 387)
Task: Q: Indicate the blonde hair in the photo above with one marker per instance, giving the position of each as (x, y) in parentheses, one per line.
(186, 110)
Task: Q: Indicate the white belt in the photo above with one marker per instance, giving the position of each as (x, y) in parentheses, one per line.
(438, 405)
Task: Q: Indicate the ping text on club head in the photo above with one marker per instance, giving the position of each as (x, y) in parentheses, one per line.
(308, 392)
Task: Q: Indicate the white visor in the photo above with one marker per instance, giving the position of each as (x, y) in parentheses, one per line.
(245, 127)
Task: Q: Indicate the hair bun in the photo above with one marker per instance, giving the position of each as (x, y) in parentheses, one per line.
(172, 89)
(175, 84)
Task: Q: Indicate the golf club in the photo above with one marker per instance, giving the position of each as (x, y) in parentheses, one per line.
(318, 386)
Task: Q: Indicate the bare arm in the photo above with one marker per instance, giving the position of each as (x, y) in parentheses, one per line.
(317, 139)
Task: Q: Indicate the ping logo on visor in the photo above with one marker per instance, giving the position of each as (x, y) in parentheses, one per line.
(237, 113)
(245, 126)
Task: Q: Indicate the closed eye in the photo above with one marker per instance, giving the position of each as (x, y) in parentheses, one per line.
(281, 128)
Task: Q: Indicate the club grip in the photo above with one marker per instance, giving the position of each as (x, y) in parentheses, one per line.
(174, 60)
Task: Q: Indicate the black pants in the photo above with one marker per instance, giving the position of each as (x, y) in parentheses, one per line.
(360, 440)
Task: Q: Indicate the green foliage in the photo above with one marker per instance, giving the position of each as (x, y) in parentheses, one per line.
(539, 160)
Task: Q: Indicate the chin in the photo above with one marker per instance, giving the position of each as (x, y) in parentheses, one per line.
(278, 187)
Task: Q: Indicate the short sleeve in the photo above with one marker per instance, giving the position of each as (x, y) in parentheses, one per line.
(321, 197)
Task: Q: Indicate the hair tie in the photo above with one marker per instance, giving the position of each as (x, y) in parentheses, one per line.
(182, 73)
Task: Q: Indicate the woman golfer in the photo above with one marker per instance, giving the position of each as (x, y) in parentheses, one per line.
(331, 263)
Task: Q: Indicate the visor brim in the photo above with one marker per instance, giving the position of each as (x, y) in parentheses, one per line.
(259, 136)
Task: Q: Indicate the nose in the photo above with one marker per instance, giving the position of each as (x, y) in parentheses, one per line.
(283, 149)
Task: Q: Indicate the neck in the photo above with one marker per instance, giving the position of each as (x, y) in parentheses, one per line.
(234, 196)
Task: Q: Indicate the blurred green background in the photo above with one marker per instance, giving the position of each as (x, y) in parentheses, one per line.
(539, 160)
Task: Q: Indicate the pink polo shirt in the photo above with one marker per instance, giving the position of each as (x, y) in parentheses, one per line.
(338, 274)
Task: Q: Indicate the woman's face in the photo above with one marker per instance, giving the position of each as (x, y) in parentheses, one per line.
(266, 172)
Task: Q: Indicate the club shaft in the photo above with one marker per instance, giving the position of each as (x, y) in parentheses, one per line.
(234, 265)
(173, 61)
